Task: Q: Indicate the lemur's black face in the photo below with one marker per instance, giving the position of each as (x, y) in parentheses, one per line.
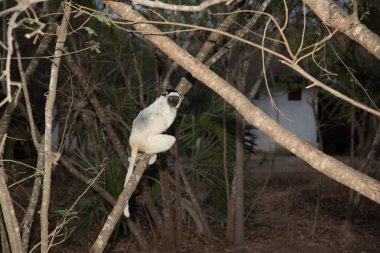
(173, 98)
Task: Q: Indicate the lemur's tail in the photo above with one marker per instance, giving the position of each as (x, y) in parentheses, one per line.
(128, 176)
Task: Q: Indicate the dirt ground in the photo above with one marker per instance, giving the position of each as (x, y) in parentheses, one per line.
(298, 210)
(292, 209)
(301, 210)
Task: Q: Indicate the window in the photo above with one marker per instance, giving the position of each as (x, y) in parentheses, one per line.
(295, 95)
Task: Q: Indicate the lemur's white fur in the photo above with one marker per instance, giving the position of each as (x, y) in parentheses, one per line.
(147, 128)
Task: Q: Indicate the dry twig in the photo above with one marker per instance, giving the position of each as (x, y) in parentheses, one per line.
(7, 209)
(49, 156)
(173, 7)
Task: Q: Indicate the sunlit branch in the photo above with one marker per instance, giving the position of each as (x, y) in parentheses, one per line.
(174, 7)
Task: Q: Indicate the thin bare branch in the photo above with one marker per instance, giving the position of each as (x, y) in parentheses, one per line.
(303, 31)
(286, 15)
(21, 6)
(24, 86)
(173, 7)
(316, 82)
(7, 209)
(216, 36)
(334, 16)
(207, 229)
(11, 25)
(268, 59)
(240, 33)
(139, 78)
(29, 214)
(49, 156)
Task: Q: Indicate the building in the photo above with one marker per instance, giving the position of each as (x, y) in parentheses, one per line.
(295, 110)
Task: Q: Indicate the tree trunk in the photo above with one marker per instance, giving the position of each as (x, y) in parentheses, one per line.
(148, 203)
(34, 197)
(5, 248)
(178, 197)
(231, 220)
(239, 173)
(166, 207)
(354, 197)
(197, 209)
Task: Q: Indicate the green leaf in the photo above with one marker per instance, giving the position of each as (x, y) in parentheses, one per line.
(79, 13)
(103, 19)
(364, 16)
(90, 31)
(95, 46)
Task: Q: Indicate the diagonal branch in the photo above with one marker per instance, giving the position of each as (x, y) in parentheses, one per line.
(240, 33)
(334, 16)
(174, 7)
(184, 87)
(117, 211)
(216, 35)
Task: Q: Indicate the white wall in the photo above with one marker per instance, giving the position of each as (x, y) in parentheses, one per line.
(295, 115)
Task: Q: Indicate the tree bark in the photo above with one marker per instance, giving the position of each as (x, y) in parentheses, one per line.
(252, 114)
(48, 154)
(334, 16)
(5, 248)
(166, 206)
(8, 212)
(102, 239)
(354, 197)
(146, 200)
(231, 214)
(239, 173)
(178, 197)
(29, 214)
